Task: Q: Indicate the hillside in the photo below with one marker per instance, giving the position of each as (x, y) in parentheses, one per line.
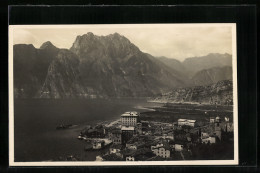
(218, 93)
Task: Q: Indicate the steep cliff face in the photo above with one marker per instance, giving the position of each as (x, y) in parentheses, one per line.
(62, 80)
(218, 93)
(30, 68)
(117, 68)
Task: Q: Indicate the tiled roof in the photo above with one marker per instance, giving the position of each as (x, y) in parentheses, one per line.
(129, 114)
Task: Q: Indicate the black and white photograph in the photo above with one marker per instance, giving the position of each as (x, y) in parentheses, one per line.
(123, 94)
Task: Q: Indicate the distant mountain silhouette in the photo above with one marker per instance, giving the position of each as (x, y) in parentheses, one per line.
(212, 75)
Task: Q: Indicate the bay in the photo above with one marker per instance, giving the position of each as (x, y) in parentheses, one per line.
(35, 122)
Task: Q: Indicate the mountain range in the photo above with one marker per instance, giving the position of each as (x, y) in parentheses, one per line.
(107, 66)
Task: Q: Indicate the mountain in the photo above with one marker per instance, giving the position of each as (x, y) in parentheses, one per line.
(62, 79)
(202, 70)
(174, 64)
(98, 66)
(30, 68)
(212, 75)
(108, 66)
(195, 64)
(117, 68)
(218, 93)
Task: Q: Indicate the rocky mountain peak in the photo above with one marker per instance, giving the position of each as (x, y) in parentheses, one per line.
(47, 45)
(92, 46)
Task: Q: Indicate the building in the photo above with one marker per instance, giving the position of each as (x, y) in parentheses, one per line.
(156, 146)
(98, 144)
(178, 147)
(115, 136)
(186, 122)
(135, 145)
(226, 119)
(94, 133)
(129, 119)
(212, 120)
(162, 151)
(130, 158)
(210, 140)
(229, 127)
(204, 135)
(116, 149)
(99, 158)
(139, 128)
(127, 133)
(218, 130)
(218, 119)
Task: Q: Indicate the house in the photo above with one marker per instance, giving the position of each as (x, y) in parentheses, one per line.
(226, 119)
(218, 119)
(204, 135)
(135, 145)
(210, 140)
(153, 147)
(130, 158)
(129, 118)
(94, 133)
(116, 149)
(162, 151)
(99, 158)
(212, 120)
(178, 147)
(115, 136)
(98, 144)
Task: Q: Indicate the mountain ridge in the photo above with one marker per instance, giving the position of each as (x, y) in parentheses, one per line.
(94, 66)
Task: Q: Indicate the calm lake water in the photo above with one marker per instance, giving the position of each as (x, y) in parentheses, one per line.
(35, 122)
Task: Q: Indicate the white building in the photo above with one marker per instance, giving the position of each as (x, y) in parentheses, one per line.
(129, 119)
(187, 122)
(99, 158)
(98, 144)
(130, 158)
(212, 120)
(162, 152)
(178, 147)
(210, 139)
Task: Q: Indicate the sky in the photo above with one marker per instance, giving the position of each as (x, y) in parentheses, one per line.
(178, 41)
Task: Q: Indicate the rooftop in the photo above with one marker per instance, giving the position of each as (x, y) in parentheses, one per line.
(191, 121)
(182, 119)
(126, 114)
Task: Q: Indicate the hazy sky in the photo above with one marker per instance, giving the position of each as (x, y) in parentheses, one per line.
(172, 41)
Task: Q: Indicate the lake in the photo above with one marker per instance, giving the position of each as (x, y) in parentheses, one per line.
(35, 122)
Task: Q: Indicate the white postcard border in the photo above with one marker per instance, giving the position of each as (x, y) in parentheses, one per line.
(122, 163)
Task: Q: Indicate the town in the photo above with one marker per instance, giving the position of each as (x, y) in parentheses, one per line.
(133, 139)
